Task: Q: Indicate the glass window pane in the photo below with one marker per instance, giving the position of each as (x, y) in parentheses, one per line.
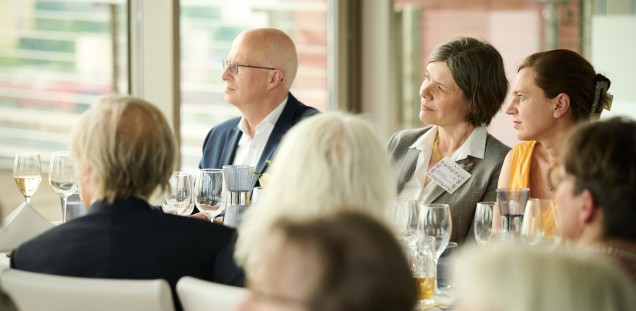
(207, 31)
(56, 57)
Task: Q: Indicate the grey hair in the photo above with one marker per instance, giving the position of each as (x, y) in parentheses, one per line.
(327, 161)
(516, 278)
(128, 145)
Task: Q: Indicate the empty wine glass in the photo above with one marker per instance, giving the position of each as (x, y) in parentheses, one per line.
(26, 173)
(62, 177)
(402, 215)
(208, 191)
(435, 220)
(178, 199)
(540, 226)
(482, 222)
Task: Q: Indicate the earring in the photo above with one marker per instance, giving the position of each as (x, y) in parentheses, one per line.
(554, 115)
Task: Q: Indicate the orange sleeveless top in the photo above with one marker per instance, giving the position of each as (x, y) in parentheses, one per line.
(520, 174)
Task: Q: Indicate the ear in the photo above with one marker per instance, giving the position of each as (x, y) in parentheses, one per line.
(588, 211)
(276, 77)
(561, 105)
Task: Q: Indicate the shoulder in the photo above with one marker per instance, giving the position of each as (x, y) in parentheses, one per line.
(299, 110)
(405, 138)
(226, 125)
(495, 147)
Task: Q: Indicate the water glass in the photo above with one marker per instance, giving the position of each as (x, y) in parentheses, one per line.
(208, 191)
(482, 222)
(446, 266)
(62, 177)
(512, 204)
(540, 226)
(239, 178)
(178, 199)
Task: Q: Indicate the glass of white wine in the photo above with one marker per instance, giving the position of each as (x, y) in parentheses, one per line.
(26, 173)
(62, 177)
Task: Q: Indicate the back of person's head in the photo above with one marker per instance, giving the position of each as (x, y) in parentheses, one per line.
(347, 261)
(601, 156)
(272, 47)
(327, 161)
(125, 146)
(564, 71)
(478, 69)
(516, 278)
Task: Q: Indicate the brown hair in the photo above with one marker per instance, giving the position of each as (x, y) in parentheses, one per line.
(565, 71)
(602, 158)
(362, 265)
(478, 69)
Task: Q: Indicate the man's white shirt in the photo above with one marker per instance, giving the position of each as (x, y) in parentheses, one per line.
(249, 151)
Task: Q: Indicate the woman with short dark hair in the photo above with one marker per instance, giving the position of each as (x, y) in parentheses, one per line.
(464, 87)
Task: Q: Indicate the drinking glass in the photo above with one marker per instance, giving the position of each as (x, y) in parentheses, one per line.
(208, 191)
(178, 199)
(421, 256)
(435, 220)
(482, 222)
(26, 173)
(402, 215)
(540, 226)
(62, 177)
(511, 203)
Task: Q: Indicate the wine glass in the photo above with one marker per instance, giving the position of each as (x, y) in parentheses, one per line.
(482, 222)
(62, 177)
(540, 226)
(402, 215)
(208, 191)
(178, 199)
(26, 173)
(435, 220)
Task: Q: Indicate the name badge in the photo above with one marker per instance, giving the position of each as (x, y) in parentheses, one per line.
(448, 174)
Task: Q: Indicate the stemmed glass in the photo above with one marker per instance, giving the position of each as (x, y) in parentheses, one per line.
(178, 199)
(208, 191)
(482, 222)
(540, 226)
(435, 220)
(26, 173)
(62, 177)
(402, 216)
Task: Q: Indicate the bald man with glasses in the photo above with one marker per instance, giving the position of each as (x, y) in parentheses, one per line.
(258, 71)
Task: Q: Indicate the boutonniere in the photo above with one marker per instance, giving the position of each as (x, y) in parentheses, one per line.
(263, 177)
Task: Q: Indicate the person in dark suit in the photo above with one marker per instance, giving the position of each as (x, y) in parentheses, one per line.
(464, 87)
(259, 71)
(123, 150)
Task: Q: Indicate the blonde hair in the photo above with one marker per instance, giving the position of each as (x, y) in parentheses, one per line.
(327, 161)
(514, 278)
(128, 145)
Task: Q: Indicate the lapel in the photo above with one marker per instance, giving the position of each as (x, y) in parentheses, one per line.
(233, 138)
(408, 167)
(284, 123)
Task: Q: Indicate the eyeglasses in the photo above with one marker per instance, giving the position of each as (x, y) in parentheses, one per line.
(234, 66)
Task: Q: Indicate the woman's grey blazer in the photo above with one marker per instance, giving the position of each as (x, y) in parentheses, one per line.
(480, 186)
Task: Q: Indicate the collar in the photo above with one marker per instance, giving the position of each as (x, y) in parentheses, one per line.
(474, 146)
(270, 119)
(133, 202)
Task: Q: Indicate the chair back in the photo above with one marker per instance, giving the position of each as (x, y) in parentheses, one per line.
(200, 295)
(37, 291)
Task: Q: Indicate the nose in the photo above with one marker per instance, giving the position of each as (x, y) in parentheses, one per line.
(226, 74)
(425, 90)
(512, 107)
